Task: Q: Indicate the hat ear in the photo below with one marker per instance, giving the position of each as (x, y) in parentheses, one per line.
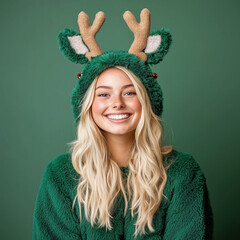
(72, 46)
(158, 43)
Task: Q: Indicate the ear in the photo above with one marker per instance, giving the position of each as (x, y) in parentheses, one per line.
(158, 44)
(72, 46)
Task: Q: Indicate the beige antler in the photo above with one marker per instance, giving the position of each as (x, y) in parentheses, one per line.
(140, 30)
(88, 32)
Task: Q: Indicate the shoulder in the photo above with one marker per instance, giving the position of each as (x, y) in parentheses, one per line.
(61, 165)
(182, 168)
(60, 172)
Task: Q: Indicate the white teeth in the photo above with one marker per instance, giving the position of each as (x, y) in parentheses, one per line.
(118, 116)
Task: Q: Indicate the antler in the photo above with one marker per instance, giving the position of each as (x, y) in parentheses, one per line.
(140, 30)
(88, 32)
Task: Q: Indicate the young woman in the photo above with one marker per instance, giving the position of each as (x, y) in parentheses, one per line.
(119, 181)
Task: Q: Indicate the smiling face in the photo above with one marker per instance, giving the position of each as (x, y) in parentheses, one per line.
(116, 108)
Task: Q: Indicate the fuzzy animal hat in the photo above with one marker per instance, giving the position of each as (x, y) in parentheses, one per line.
(147, 48)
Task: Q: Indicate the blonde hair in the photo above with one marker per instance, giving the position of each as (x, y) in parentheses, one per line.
(101, 181)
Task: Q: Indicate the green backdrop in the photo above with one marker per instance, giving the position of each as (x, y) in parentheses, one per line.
(199, 79)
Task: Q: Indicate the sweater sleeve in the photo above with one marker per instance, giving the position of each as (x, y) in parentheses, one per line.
(53, 216)
(189, 215)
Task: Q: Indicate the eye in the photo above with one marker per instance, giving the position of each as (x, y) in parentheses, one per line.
(130, 93)
(102, 95)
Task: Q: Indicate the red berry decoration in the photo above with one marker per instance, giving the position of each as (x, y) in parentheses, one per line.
(79, 75)
(155, 75)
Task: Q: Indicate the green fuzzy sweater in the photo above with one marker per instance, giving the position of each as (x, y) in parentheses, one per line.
(185, 214)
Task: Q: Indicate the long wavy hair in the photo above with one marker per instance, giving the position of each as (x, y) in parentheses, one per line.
(101, 180)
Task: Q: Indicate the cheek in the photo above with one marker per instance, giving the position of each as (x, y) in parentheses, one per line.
(136, 105)
(98, 107)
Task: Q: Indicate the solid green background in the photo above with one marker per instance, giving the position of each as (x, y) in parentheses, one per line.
(199, 78)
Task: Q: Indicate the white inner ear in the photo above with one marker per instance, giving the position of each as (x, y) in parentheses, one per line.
(77, 44)
(153, 43)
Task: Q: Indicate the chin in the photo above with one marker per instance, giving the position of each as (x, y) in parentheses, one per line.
(119, 132)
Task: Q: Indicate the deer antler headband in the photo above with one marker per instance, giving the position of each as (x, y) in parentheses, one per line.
(147, 48)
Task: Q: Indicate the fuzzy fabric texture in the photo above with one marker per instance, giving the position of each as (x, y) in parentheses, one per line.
(186, 214)
(68, 50)
(153, 42)
(163, 48)
(77, 44)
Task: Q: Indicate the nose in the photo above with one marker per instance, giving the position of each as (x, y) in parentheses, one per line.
(118, 102)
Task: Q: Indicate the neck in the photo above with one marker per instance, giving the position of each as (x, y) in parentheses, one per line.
(120, 147)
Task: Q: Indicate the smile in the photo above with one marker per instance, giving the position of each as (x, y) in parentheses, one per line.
(118, 117)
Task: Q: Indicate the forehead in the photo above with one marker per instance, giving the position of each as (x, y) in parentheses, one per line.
(113, 77)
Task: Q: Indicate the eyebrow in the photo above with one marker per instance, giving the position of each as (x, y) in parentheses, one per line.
(125, 86)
